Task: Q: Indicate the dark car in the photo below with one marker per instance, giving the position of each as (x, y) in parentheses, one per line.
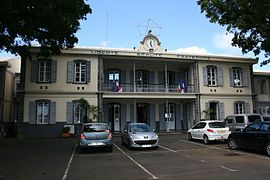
(95, 135)
(255, 136)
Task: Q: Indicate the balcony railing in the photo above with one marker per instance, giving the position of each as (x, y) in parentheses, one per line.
(148, 88)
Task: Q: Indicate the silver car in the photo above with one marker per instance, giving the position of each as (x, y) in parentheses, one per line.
(95, 135)
(139, 135)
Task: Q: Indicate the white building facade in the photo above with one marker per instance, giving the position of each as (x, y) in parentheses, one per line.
(167, 90)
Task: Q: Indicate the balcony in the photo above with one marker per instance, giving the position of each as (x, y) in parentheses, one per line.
(148, 88)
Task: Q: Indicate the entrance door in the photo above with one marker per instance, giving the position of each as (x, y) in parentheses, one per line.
(114, 117)
(213, 110)
(143, 113)
(170, 117)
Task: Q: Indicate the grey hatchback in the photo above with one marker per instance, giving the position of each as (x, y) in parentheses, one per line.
(139, 135)
(95, 135)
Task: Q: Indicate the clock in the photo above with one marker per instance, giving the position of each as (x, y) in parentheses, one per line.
(150, 43)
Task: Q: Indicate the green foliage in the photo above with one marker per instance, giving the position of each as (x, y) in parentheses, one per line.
(51, 24)
(91, 111)
(66, 129)
(248, 20)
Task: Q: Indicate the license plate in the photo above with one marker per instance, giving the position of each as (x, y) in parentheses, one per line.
(145, 146)
(221, 131)
(95, 144)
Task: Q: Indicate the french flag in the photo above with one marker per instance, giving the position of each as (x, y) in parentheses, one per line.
(181, 87)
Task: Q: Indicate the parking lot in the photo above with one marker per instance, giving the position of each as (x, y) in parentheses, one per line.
(175, 159)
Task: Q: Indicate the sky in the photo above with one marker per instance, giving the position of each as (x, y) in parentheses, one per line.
(179, 25)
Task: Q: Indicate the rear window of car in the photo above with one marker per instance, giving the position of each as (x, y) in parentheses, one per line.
(217, 125)
(239, 119)
(266, 118)
(140, 128)
(254, 118)
(95, 128)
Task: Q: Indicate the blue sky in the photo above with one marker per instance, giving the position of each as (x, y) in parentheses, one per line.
(118, 24)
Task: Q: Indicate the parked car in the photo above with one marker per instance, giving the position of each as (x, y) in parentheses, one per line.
(237, 122)
(254, 136)
(94, 135)
(139, 135)
(208, 131)
(266, 117)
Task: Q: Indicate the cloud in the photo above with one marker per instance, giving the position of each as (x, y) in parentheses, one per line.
(103, 44)
(223, 40)
(193, 50)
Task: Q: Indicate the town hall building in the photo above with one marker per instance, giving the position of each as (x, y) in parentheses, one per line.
(167, 90)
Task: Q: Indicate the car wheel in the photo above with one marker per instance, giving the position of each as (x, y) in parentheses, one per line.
(128, 145)
(232, 144)
(110, 149)
(189, 137)
(122, 141)
(205, 139)
(267, 148)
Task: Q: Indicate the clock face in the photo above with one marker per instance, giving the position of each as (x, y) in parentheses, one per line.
(150, 43)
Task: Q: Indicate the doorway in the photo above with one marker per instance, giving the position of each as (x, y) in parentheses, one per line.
(143, 113)
(213, 107)
(114, 117)
(170, 116)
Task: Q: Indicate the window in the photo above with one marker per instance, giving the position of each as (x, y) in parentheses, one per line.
(78, 112)
(239, 119)
(212, 75)
(229, 120)
(262, 86)
(80, 72)
(170, 78)
(253, 127)
(142, 77)
(43, 112)
(265, 127)
(239, 108)
(199, 125)
(44, 71)
(237, 77)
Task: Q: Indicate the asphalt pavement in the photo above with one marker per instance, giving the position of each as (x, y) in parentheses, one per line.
(176, 158)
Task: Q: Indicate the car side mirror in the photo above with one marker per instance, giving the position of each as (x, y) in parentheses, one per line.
(154, 130)
(242, 130)
(125, 131)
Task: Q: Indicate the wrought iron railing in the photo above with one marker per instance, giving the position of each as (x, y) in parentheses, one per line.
(148, 88)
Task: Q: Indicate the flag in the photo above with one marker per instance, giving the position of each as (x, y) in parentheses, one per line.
(181, 87)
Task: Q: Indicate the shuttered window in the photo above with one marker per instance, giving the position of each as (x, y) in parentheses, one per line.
(43, 71)
(79, 71)
(42, 112)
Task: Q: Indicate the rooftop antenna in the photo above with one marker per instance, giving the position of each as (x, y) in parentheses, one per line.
(147, 26)
(107, 29)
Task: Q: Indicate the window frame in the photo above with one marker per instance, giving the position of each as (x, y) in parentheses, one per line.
(239, 107)
(43, 121)
(46, 71)
(79, 74)
(237, 74)
(212, 79)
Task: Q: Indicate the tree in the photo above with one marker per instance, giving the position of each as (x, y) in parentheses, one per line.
(50, 24)
(92, 112)
(248, 20)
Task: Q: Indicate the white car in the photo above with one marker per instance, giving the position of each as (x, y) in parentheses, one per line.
(209, 131)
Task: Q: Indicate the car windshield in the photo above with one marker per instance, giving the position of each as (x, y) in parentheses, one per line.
(254, 118)
(95, 128)
(217, 125)
(140, 128)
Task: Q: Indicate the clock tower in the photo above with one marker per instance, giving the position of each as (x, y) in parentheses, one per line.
(150, 43)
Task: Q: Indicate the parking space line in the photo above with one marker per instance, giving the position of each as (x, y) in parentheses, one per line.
(229, 169)
(135, 162)
(69, 163)
(228, 150)
(168, 149)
